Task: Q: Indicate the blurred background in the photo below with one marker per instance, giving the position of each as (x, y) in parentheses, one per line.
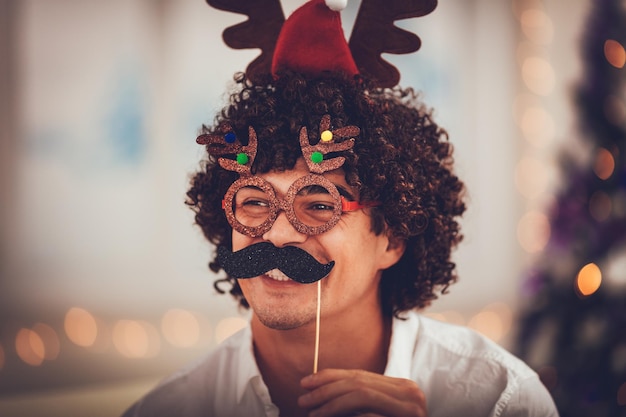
(104, 284)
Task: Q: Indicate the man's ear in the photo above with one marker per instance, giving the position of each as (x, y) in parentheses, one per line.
(395, 249)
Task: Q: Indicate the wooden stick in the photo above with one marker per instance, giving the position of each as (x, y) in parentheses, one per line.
(317, 326)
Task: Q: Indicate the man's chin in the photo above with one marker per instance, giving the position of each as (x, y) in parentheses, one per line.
(280, 320)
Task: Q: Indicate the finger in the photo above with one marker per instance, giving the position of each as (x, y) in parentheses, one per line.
(331, 383)
(368, 401)
(367, 391)
(327, 376)
(320, 378)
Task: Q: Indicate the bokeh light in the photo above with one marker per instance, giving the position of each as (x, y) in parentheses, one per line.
(604, 164)
(537, 126)
(537, 26)
(180, 327)
(487, 323)
(538, 75)
(533, 231)
(531, 177)
(614, 53)
(494, 321)
(80, 327)
(136, 339)
(615, 275)
(589, 279)
(29, 347)
(1, 357)
(50, 340)
(600, 206)
(521, 6)
(505, 312)
(228, 326)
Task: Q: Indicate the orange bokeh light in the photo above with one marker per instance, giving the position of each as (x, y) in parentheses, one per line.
(50, 340)
(180, 327)
(136, 339)
(494, 321)
(30, 347)
(80, 327)
(615, 53)
(489, 324)
(229, 326)
(604, 164)
(589, 279)
(537, 26)
(538, 75)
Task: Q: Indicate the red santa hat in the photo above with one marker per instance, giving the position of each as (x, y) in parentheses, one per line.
(312, 41)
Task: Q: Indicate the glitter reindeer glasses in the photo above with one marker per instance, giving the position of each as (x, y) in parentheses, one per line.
(312, 204)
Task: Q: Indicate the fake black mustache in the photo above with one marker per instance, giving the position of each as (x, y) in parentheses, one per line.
(262, 257)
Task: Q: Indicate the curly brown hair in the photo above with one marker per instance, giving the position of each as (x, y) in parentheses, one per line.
(401, 159)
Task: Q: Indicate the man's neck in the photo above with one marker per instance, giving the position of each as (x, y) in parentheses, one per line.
(284, 357)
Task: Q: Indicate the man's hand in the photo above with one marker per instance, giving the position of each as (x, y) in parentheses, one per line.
(338, 392)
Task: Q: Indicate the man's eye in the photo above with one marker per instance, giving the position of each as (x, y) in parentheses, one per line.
(322, 206)
(256, 203)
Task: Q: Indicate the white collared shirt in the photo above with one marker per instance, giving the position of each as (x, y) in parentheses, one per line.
(460, 372)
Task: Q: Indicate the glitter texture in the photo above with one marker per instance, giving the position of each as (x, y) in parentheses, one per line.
(285, 204)
(314, 155)
(255, 260)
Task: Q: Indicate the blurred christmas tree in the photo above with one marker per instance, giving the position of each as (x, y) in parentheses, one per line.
(574, 328)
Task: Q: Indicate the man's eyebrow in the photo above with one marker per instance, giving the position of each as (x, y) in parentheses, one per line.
(313, 189)
(345, 193)
(318, 189)
(254, 187)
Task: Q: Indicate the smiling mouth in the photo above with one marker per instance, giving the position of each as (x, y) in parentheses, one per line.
(277, 275)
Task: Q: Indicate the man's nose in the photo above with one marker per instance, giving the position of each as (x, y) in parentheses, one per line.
(282, 233)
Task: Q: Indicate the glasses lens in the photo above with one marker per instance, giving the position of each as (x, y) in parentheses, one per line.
(314, 205)
(251, 206)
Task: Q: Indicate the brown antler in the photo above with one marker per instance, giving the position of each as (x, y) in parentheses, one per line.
(326, 146)
(259, 31)
(218, 145)
(374, 33)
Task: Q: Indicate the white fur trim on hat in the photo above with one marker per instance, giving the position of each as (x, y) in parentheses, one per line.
(336, 5)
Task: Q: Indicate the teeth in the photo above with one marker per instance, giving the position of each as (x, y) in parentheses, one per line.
(275, 274)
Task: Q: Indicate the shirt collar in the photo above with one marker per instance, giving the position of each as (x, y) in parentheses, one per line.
(404, 336)
(247, 367)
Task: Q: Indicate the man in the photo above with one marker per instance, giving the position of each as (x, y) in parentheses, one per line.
(333, 205)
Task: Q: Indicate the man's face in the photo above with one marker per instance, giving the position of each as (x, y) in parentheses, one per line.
(359, 255)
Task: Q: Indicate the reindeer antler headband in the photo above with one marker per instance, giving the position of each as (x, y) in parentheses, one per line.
(311, 40)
